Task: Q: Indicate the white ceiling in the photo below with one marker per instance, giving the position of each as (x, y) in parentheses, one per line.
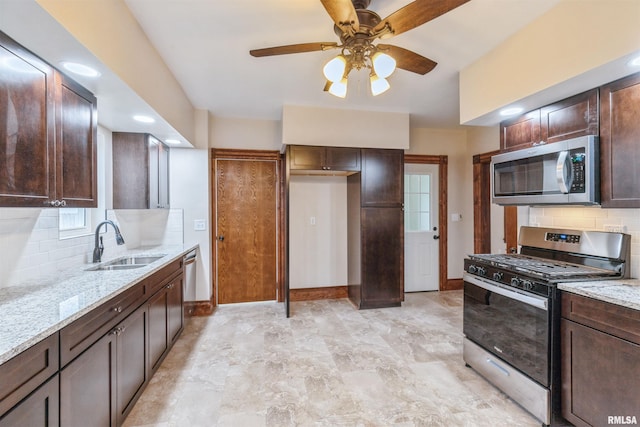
(206, 45)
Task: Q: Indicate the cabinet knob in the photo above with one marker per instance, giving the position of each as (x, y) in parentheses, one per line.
(63, 203)
(117, 309)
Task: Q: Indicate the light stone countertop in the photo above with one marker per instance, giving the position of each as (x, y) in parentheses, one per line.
(624, 292)
(32, 312)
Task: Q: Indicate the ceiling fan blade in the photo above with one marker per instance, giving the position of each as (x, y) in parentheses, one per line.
(415, 14)
(293, 48)
(343, 14)
(408, 60)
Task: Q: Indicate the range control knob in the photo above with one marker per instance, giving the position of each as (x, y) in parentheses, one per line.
(482, 271)
(515, 282)
(473, 269)
(526, 284)
(497, 276)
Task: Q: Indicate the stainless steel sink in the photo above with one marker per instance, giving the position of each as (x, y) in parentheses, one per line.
(127, 262)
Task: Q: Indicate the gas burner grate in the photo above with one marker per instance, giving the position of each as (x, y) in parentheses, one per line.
(541, 267)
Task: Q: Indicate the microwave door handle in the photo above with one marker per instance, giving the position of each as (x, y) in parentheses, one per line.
(561, 167)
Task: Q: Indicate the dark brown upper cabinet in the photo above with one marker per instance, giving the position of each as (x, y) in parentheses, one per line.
(48, 133)
(140, 172)
(569, 118)
(382, 178)
(620, 143)
(311, 158)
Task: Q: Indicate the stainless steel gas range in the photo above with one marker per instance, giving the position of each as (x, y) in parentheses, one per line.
(512, 309)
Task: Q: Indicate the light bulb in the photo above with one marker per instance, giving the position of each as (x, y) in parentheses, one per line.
(378, 85)
(383, 64)
(334, 69)
(339, 88)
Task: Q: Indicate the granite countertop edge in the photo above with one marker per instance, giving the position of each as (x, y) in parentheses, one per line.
(622, 292)
(35, 312)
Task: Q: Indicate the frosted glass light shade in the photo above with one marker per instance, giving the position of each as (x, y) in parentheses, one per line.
(378, 85)
(334, 69)
(383, 64)
(339, 88)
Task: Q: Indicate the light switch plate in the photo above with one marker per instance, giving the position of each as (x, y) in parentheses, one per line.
(199, 225)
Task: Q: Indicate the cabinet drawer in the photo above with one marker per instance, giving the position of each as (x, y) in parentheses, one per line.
(83, 332)
(162, 277)
(613, 319)
(26, 371)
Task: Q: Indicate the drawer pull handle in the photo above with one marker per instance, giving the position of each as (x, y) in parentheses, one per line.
(500, 368)
(117, 309)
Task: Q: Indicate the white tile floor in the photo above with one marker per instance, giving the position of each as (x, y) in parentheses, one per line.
(327, 365)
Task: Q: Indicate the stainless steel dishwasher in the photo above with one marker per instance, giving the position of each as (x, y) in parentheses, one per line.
(189, 263)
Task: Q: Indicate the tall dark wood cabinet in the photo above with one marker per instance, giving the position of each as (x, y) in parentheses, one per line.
(600, 361)
(380, 282)
(569, 118)
(140, 172)
(48, 134)
(620, 143)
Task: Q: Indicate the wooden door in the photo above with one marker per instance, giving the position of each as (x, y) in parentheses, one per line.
(246, 200)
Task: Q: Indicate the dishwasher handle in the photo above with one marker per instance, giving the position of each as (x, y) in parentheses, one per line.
(190, 258)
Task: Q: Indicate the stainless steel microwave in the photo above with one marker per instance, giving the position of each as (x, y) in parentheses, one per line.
(560, 173)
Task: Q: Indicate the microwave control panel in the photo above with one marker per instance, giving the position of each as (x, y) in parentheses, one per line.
(577, 166)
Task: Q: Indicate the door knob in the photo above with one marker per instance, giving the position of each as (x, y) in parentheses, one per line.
(221, 238)
(436, 237)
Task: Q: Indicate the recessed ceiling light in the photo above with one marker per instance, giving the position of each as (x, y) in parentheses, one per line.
(635, 62)
(144, 119)
(511, 111)
(80, 69)
(172, 141)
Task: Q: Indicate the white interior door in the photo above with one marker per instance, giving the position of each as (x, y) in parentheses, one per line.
(421, 228)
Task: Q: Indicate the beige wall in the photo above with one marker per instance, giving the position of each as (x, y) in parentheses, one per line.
(344, 128)
(246, 134)
(318, 246)
(573, 38)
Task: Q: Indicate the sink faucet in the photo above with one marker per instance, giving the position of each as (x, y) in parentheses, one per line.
(99, 247)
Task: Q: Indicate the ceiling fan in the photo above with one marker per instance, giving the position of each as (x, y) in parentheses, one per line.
(358, 27)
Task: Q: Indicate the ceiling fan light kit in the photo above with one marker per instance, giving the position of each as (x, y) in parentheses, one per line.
(357, 27)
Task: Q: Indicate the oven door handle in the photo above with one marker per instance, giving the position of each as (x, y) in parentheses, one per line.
(533, 300)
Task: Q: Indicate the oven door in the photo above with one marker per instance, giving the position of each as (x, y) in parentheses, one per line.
(512, 325)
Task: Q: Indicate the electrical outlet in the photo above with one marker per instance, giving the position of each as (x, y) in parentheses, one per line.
(614, 228)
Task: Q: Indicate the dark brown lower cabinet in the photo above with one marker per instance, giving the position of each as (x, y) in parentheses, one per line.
(131, 361)
(40, 409)
(87, 386)
(165, 320)
(104, 382)
(381, 259)
(600, 370)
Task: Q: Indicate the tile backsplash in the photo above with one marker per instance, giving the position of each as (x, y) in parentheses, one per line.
(30, 247)
(592, 218)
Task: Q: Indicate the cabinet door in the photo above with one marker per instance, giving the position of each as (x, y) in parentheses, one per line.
(76, 150)
(38, 410)
(342, 159)
(620, 143)
(27, 93)
(175, 309)
(130, 171)
(599, 375)
(131, 370)
(88, 386)
(382, 177)
(520, 132)
(158, 341)
(382, 257)
(570, 118)
(306, 157)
